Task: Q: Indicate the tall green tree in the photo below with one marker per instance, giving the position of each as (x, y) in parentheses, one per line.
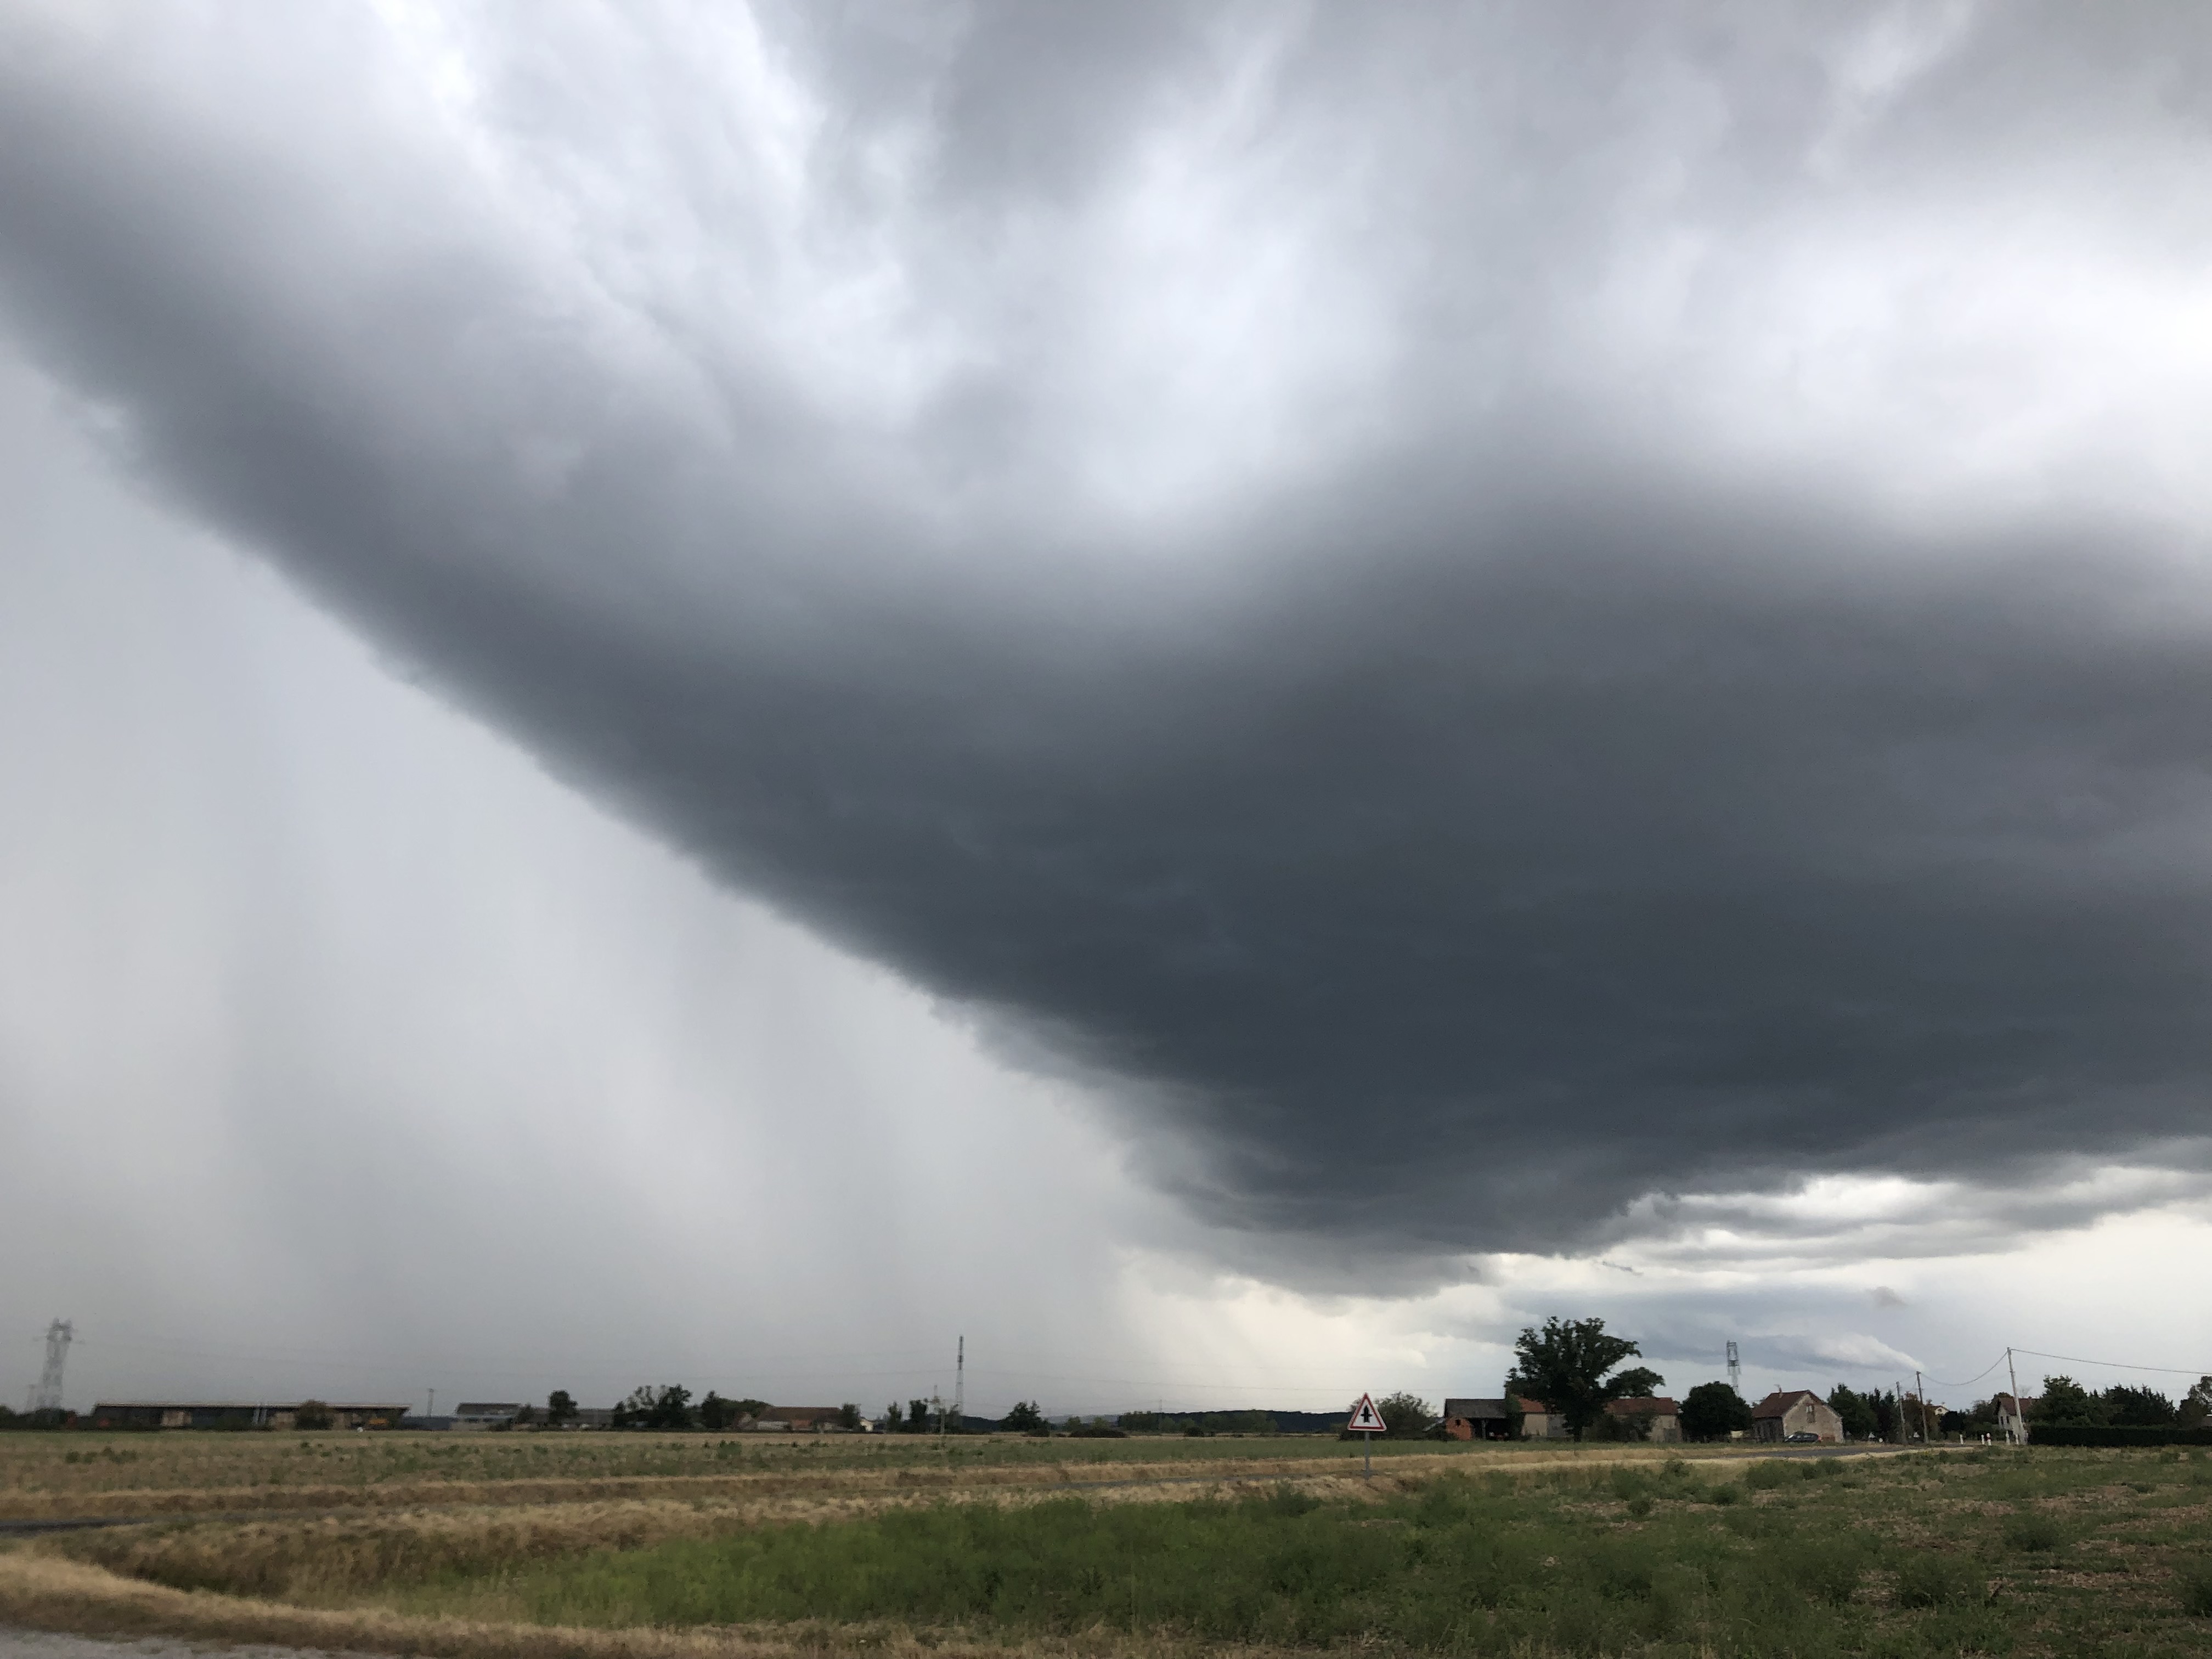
(1405, 1416)
(1713, 1410)
(2196, 1405)
(1027, 1417)
(667, 1407)
(1566, 1365)
(1854, 1411)
(559, 1408)
(715, 1413)
(2137, 1408)
(2064, 1400)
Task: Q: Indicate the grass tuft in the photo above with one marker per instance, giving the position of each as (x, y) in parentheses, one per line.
(2195, 1584)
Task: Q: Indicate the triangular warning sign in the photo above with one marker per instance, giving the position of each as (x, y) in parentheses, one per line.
(1365, 1419)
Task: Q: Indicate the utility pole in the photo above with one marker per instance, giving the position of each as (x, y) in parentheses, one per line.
(1735, 1368)
(1920, 1390)
(2018, 1416)
(60, 1336)
(960, 1385)
(429, 1402)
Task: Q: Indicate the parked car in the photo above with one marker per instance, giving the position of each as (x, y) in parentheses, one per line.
(1803, 1437)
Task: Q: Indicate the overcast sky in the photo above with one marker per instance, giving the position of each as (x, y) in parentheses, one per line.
(1231, 696)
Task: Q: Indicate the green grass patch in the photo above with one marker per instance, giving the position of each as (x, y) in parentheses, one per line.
(1904, 1559)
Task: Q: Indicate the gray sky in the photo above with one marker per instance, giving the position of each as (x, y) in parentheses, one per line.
(1230, 696)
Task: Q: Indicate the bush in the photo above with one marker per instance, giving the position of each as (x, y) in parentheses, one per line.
(2113, 1434)
(1832, 1574)
(2196, 1591)
(1929, 1580)
(2034, 1533)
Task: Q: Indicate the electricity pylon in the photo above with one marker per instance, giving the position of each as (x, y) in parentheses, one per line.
(60, 1336)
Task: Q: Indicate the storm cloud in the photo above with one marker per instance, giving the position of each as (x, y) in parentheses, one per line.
(1483, 614)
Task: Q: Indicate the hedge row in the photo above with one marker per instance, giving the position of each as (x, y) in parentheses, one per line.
(2104, 1434)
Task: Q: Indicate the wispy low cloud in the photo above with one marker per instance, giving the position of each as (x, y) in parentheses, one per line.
(1480, 619)
(1852, 1219)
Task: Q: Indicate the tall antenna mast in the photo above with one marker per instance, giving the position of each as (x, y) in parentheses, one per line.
(1735, 1368)
(60, 1336)
(960, 1387)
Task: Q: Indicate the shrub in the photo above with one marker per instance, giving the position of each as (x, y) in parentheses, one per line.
(2196, 1591)
(1929, 1580)
(1832, 1572)
(2033, 1532)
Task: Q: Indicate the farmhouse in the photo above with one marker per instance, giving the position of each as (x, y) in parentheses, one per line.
(1539, 1422)
(1658, 1417)
(486, 1413)
(234, 1414)
(1478, 1419)
(797, 1419)
(1795, 1411)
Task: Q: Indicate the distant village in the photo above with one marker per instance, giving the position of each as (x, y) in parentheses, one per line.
(1712, 1413)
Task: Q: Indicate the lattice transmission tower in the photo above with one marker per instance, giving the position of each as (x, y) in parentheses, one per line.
(1735, 1368)
(60, 1336)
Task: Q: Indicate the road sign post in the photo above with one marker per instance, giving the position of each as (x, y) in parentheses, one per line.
(1366, 1423)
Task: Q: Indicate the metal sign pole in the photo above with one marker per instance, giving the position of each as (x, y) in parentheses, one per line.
(1367, 1454)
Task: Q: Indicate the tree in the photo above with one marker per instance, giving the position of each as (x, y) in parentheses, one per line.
(1405, 1416)
(1564, 1365)
(2064, 1400)
(559, 1408)
(893, 1417)
(917, 1417)
(524, 1416)
(1713, 1410)
(312, 1414)
(1025, 1418)
(672, 1409)
(2138, 1408)
(2196, 1405)
(848, 1416)
(714, 1412)
(1856, 1411)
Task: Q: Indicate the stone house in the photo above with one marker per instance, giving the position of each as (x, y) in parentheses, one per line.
(1659, 1416)
(1795, 1411)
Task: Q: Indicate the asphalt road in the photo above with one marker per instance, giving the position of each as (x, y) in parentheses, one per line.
(45, 1644)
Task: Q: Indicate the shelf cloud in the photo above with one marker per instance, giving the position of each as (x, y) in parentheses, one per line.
(1482, 614)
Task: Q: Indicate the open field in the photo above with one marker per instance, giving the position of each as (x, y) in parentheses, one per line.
(176, 1473)
(1146, 1547)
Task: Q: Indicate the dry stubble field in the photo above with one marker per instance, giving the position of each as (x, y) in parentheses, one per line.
(618, 1544)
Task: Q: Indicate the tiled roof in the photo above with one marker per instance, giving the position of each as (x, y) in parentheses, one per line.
(1472, 1409)
(1782, 1399)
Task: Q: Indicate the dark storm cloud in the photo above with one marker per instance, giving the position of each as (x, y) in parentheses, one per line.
(1447, 841)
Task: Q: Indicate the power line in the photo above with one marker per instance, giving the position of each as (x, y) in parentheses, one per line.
(2115, 1366)
(1945, 1383)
